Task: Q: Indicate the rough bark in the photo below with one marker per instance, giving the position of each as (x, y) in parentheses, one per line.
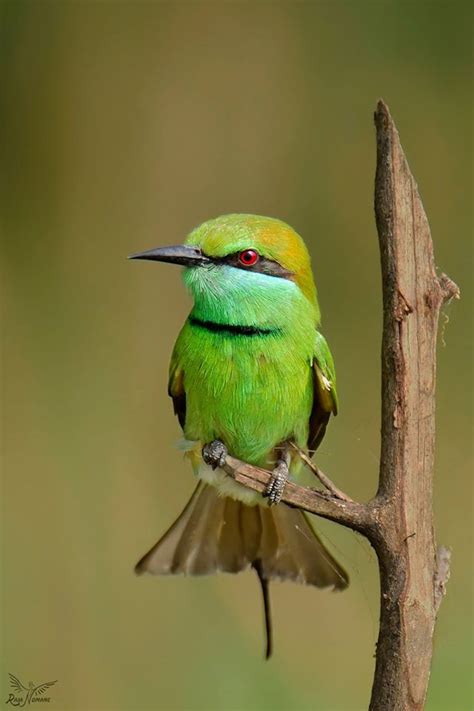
(412, 298)
(398, 521)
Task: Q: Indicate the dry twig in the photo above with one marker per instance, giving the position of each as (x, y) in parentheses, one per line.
(325, 480)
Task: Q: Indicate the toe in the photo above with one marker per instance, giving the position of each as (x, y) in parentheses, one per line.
(214, 453)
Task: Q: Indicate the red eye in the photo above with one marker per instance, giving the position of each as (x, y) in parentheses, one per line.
(248, 257)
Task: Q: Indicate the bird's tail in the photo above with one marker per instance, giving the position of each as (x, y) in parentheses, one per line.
(221, 534)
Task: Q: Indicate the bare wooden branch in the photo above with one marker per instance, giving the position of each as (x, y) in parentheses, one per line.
(399, 520)
(412, 299)
(348, 513)
(325, 480)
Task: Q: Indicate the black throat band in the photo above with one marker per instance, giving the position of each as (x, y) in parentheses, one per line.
(231, 329)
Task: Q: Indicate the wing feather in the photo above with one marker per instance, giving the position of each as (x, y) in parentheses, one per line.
(325, 401)
(176, 389)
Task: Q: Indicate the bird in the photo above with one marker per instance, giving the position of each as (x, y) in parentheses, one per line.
(251, 375)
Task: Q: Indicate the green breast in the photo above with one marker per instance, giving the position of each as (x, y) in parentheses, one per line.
(252, 390)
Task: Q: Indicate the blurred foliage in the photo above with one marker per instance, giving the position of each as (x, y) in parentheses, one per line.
(125, 124)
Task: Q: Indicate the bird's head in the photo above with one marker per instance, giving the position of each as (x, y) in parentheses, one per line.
(244, 269)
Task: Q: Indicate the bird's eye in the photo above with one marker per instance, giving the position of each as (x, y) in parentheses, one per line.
(248, 257)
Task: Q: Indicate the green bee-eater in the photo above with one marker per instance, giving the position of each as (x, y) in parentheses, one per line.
(250, 373)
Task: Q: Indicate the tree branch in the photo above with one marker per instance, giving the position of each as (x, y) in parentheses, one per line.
(348, 513)
(412, 299)
(325, 480)
(399, 520)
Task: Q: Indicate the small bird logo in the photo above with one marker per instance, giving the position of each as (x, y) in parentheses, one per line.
(25, 694)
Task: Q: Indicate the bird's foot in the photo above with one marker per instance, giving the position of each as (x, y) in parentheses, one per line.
(274, 490)
(215, 453)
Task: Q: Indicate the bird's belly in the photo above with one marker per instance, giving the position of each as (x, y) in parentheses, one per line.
(250, 393)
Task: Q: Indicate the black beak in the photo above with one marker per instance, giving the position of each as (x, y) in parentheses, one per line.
(180, 254)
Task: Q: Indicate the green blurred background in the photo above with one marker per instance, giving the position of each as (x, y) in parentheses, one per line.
(124, 125)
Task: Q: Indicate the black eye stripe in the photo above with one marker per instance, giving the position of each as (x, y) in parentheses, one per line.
(262, 265)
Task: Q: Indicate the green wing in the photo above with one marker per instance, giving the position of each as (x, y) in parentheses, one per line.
(325, 395)
(176, 388)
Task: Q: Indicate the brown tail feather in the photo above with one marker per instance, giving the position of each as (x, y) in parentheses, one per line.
(221, 534)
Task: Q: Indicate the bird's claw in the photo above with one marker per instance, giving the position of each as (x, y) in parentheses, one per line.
(276, 486)
(215, 453)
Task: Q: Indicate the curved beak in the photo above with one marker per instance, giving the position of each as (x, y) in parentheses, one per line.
(180, 254)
